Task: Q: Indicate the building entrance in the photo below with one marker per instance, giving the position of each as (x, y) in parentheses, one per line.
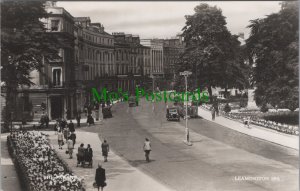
(56, 107)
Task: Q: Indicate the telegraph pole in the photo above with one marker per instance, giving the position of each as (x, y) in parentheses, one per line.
(187, 134)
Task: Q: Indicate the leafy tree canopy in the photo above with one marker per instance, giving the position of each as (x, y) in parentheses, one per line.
(24, 40)
(212, 53)
(25, 46)
(273, 44)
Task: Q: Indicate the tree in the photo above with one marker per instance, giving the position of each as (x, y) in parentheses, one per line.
(25, 46)
(273, 45)
(211, 52)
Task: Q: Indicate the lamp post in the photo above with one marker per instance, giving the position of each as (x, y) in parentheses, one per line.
(187, 134)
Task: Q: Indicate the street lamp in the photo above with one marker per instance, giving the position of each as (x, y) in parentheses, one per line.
(187, 134)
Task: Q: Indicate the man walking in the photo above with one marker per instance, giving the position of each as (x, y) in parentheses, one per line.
(105, 150)
(147, 149)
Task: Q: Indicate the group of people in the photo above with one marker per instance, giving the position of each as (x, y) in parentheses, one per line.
(85, 155)
(66, 133)
(100, 176)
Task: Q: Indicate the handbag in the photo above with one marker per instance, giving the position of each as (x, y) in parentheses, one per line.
(95, 185)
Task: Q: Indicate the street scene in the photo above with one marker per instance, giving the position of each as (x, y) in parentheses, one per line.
(166, 96)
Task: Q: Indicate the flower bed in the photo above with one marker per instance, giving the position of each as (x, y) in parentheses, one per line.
(256, 118)
(38, 164)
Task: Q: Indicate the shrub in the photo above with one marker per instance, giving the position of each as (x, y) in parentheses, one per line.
(227, 108)
(264, 108)
(291, 118)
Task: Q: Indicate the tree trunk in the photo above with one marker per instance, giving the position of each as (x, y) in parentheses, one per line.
(8, 107)
(226, 92)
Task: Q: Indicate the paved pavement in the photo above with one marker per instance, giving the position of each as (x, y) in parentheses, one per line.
(9, 176)
(120, 174)
(287, 140)
(212, 163)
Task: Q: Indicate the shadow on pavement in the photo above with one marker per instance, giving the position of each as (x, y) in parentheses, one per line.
(136, 163)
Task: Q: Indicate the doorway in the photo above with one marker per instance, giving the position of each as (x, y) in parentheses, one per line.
(56, 107)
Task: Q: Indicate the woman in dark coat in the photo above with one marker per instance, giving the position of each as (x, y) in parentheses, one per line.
(100, 177)
(89, 153)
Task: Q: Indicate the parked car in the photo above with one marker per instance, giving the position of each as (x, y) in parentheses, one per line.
(172, 114)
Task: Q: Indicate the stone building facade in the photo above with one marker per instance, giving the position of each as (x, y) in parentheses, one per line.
(91, 57)
(132, 61)
(94, 58)
(54, 90)
(172, 49)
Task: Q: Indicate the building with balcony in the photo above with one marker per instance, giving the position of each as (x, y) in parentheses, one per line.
(96, 61)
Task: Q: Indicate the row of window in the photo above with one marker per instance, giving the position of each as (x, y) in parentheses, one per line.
(98, 40)
(56, 26)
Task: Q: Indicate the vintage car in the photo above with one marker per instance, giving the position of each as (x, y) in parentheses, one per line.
(132, 102)
(106, 111)
(172, 114)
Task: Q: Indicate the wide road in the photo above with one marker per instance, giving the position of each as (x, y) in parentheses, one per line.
(220, 158)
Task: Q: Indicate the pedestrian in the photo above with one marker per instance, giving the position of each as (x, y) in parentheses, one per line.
(42, 120)
(56, 127)
(70, 147)
(71, 126)
(89, 154)
(90, 119)
(63, 123)
(80, 154)
(78, 117)
(60, 137)
(105, 150)
(73, 137)
(46, 120)
(213, 113)
(147, 149)
(100, 177)
(66, 133)
(247, 121)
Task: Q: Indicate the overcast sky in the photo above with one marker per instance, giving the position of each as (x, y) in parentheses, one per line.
(165, 19)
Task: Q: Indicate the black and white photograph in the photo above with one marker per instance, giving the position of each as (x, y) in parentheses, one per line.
(149, 95)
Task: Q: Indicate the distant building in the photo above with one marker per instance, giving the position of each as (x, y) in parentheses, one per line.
(156, 62)
(172, 49)
(156, 55)
(132, 61)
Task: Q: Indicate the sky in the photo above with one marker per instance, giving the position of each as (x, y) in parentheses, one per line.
(165, 19)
